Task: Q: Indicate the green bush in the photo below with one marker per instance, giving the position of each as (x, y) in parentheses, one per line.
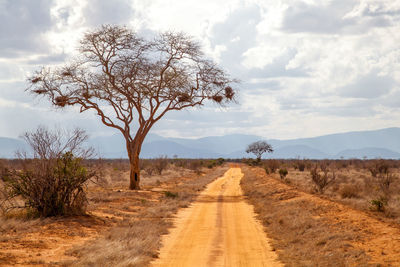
(283, 172)
(170, 194)
(379, 204)
(50, 187)
(53, 182)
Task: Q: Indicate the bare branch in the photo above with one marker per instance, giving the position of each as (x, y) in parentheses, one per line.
(139, 79)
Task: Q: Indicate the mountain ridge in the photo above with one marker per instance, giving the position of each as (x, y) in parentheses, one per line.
(382, 143)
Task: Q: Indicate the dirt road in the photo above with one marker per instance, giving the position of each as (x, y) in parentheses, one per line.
(219, 229)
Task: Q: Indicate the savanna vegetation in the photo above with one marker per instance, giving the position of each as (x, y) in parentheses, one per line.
(320, 212)
(113, 225)
(131, 82)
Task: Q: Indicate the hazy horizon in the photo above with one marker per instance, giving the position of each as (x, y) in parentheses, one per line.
(308, 68)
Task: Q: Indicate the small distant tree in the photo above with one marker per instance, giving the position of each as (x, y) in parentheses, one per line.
(258, 148)
(131, 82)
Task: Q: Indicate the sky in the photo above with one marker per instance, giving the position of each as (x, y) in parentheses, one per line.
(307, 68)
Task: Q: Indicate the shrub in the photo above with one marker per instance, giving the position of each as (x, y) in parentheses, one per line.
(322, 180)
(160, 164)
(251, 162)
(195, 165)
(149, 168)
(301, 165)
(378, 167)
(53, 182)
(385, 180)
(272, 165)
(379, 204)
(349, 191)
(211, 164)
(170, 194)
(220, 161)
(283, 172)
(383, 175)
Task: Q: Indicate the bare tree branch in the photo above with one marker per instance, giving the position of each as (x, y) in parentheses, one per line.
(139, 79)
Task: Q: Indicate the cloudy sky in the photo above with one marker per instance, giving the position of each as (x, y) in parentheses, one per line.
(307, 68)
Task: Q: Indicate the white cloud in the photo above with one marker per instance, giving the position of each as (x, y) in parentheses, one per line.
(321, 66)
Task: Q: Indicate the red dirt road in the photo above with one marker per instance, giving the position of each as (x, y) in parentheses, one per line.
(219, 229)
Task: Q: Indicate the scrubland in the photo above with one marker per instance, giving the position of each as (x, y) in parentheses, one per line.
(121, 227)
(316, 213)
(367, 185)
(340, 225)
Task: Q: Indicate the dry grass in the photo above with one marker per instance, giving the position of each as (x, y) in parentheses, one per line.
(136, 237)
(301, 236)
(355, 187)
(122, 228)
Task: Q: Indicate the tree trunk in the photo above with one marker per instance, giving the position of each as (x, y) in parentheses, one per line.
(134, 148)
(134, 177)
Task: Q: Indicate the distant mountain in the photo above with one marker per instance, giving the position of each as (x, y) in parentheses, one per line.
(369, 153)
(171, 149)
(219, 144)
(384, 143)
(333, 144)
(298, 151)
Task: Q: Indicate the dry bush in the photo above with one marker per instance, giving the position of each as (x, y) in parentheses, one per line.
(149, 169)
(321, 181)
(378, 167)
(271, 165)
(301, 165)
(160, 164)
(53, 181)
(385, 181)
(195, 165)
(349, 191)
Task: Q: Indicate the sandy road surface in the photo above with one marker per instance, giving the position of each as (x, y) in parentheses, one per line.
(219, 229)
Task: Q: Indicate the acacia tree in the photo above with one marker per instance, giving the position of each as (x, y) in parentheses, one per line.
(131, 82)
(258, 148)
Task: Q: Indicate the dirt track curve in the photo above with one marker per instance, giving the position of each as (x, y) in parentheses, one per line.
(219, 229)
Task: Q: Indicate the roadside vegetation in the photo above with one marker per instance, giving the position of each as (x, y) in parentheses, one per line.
(51, 181)
(345, 212)
(119, 225)
(367, 185)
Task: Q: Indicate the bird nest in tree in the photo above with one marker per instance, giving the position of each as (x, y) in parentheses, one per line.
(36, 80)
(217, 98)
(229, 93)
(39, 91)
(61, 101)
(66, 73)
(184, 98)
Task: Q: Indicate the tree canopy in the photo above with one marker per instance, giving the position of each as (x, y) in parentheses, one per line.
(258, 148)
(131, 82)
